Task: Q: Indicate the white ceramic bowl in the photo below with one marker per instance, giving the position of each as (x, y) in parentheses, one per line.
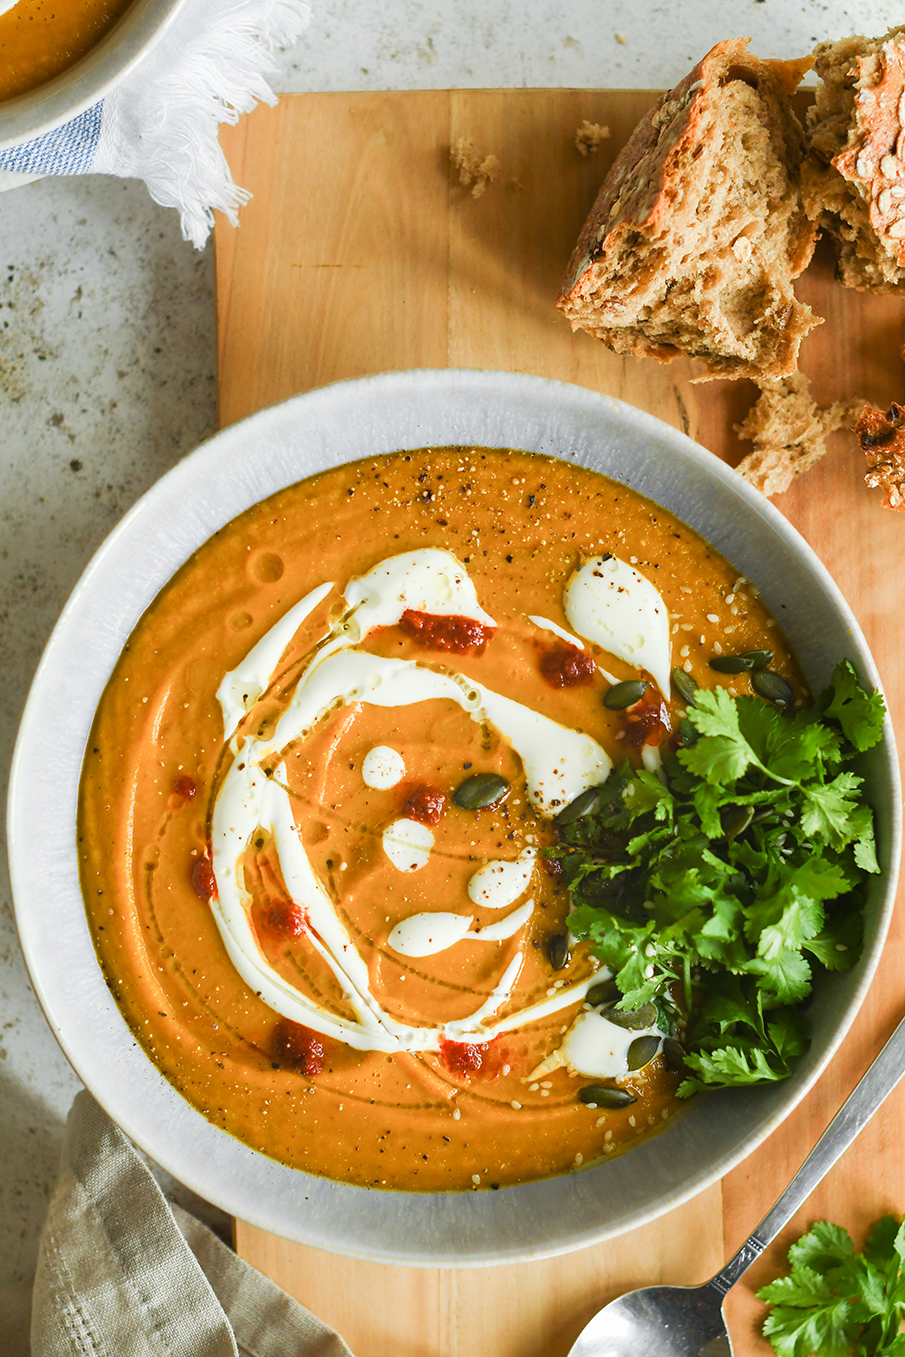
(243, 464)
(90, 79)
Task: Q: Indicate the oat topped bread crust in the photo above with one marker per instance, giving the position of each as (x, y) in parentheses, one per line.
(855, 176)
(882, 435)
(700, 226)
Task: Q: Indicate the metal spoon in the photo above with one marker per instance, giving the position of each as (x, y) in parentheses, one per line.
(687, 1321)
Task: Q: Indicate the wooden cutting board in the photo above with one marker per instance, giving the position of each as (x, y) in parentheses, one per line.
(360, 252)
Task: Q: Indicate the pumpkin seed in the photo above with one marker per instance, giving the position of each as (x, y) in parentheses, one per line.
(685, 685)
(625, 694)
(687, 733)
(735, 820)
(633, 1019)
(606, 992)
(773, 688)
(480, 790)
(558, 951)
(674, 1055)
(642, 1051)
(741, 664)
(585, 803)
(602, 1095)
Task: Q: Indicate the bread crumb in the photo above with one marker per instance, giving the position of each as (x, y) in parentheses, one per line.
(882, 437)
(789, 432)
(475, 171)
(589, 136)
(620, 39)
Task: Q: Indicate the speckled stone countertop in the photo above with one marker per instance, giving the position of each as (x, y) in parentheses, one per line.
(107, 368)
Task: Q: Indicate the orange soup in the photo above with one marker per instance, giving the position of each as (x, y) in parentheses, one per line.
(40, 39)
(318, 796)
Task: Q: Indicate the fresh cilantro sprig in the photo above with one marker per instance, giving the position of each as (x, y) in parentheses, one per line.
(734, 874)
(836, 1302)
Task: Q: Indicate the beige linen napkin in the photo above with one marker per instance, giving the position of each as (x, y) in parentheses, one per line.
(121, 1273)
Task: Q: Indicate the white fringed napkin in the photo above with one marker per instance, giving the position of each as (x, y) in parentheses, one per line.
(160, 124)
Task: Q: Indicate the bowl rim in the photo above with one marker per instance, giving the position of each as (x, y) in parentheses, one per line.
(57, 101)
(209, 1160)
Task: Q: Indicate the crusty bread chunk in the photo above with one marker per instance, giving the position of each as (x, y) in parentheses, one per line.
(882, 437)
(700, 226)
(854, 179)
(789, 432)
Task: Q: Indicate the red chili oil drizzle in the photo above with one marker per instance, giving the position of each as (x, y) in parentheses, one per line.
(465, 1058)
(203, 878)
(185, 787)
(457, 634)
(299, 1047)
(647, 722)
(286, 918)
(565, 666)
(425, 804)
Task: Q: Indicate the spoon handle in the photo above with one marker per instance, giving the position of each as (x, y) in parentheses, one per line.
(855, 1113)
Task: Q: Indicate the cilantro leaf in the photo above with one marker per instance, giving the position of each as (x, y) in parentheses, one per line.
(829, 808)
(836, 1302)
(859, 713)
(811, 1323)
(825, 1246)
(788, 744)
(724, 754)
(784, 974)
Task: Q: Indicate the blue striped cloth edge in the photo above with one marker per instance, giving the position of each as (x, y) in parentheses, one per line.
(69, 149)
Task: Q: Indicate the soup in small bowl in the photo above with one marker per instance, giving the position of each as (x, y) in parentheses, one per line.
(59, 57)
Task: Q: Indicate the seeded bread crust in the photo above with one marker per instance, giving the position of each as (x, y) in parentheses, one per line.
(700, 226)
(854, 179)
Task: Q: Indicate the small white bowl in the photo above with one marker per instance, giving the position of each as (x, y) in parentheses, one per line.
(90, 79)
(242, 465)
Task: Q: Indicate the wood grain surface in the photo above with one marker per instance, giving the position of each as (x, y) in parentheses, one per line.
(360, 252)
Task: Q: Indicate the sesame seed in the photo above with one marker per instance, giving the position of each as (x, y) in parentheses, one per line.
(712, 617)
(517, 1106)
